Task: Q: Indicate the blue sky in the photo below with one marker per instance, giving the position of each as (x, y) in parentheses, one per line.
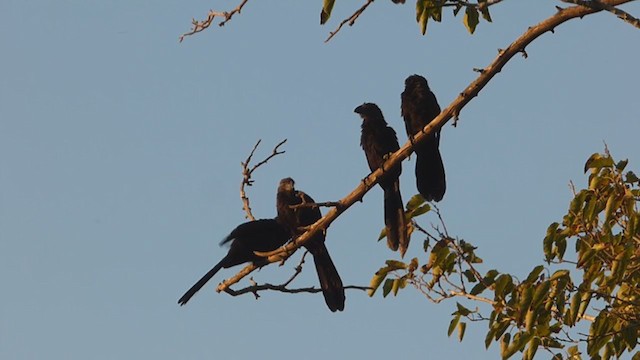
(120, 152)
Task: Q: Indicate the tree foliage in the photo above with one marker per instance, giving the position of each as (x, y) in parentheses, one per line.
(600, 284)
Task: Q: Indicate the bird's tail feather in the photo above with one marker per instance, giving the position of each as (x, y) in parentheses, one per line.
(197, 286)
(330, 281)
(394, 219)
(430, 177)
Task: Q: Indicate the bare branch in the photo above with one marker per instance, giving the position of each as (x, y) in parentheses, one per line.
(462, 100)
(282, 288)
(198, 26)
(351, 19)
(621, 14)
(246, 174)
(255, 288)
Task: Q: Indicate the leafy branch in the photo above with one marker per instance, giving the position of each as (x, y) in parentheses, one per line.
(540, 311)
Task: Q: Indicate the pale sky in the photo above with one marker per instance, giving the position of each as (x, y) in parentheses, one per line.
(120, 152)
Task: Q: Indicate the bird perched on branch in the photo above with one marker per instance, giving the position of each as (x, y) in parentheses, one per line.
(294, 218)
(378, 140)
(259, 235)
(419, 107)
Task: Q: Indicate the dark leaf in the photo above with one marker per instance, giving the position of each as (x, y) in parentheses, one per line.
(484, 10)
(461, 328)
(470, 19)
(386, 288)
(533, 275)
(453, 324)
(598, 161)
(415, 202)
(327, 7)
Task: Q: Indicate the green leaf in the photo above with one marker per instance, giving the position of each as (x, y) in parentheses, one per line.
(477, 289)
(530, 320)
(470, 276)
(597, 162)
(461, 329)
(613, 203)
(533, 275)
(572, 351)
(584, 303)
(436, 12)
(420, 5)
(573, 310)
(630, 336)
(453, 324)
(327, 7)
(419, 211)
(561, 247)
(503, 282)
(395, 264)
(462, 310)
(526, 297)
(386, 288)
(532, 349)
(415, 202)
(622, 164)
(489, 338)
(376, 280)
(549, 240)
(382, 273)
(422, 15)
(424, 19)
(542, 291)
(397, 285)
(484, 10)
(456, 9)
(470, 19)
(559, 274)
(504, 345)
(631, 177)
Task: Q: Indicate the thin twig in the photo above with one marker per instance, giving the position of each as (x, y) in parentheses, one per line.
(447, 114)
(248, 172)
(351, 20)
(316, 205)
(198, 26)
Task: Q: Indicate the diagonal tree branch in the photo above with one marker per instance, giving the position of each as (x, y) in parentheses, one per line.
(595, 4)
(451, 111)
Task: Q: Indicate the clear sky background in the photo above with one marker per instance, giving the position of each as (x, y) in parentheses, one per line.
(120, 152)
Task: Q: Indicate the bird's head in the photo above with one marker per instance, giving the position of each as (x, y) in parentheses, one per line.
(416, 82)
(368, 110)
(286, 184)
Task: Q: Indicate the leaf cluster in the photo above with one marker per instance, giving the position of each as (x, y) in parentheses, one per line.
(543, 310)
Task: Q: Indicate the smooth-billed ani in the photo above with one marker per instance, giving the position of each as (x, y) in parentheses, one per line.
(378, 140)
(294, 219)
(259, 235)
(419, 107)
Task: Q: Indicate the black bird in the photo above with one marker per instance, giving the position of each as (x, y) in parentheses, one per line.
(419, 107)
(259, 235)
(379, 140)
(294, 219)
